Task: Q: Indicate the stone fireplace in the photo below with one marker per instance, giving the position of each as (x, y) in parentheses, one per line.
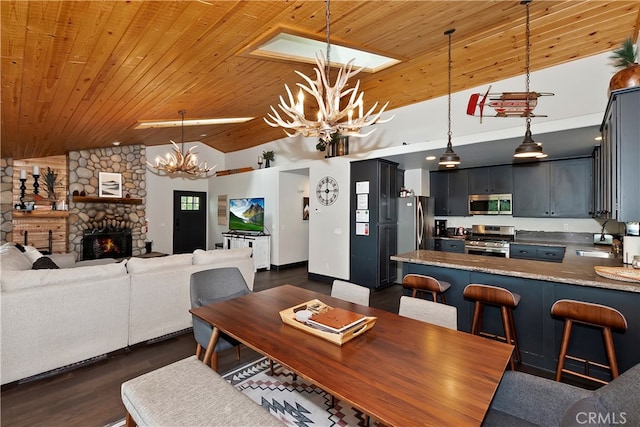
(91, 216)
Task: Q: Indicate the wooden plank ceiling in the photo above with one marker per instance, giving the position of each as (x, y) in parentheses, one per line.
(80, 74)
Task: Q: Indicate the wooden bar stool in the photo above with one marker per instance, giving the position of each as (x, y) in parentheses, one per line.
(423, 284)
(587, 313)
(500, 297)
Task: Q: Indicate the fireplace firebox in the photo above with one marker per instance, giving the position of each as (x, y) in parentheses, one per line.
(112, 243)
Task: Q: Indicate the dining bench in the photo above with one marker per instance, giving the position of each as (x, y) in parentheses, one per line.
(189, 393)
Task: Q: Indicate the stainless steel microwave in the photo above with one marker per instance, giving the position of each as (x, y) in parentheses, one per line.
(490, 204)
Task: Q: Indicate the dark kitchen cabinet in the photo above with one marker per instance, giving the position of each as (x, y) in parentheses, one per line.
(561, 189)
(449, 245)
(491, 180)
(450, 189)
(369, 254)
(536, 252)
(617, 192)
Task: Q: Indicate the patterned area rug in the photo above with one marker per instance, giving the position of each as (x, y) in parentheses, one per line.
(292, 399)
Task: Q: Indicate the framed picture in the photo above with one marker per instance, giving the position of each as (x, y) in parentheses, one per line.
(305, 208)
(110, 184)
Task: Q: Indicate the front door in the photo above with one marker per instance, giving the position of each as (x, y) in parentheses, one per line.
(189, 221)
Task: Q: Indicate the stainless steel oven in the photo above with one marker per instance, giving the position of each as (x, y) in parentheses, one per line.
(489, 240)
(490, 204)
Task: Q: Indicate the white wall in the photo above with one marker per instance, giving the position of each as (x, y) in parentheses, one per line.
(159, 200)
(293, 231)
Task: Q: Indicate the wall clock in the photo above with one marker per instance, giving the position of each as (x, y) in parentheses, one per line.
(327, 190)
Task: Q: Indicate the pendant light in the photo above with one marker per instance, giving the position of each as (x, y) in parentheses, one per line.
(449, 159)
(529, 148)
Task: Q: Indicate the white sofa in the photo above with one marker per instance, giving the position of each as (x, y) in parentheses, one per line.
(52, 318)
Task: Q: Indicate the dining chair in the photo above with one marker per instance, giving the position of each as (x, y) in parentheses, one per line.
(350, 292)
(429, 311)
(209, 286)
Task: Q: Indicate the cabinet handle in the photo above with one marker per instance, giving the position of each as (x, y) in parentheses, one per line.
(551, 254)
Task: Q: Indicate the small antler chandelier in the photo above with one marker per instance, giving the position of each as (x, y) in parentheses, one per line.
(331, 117)
(180, 163)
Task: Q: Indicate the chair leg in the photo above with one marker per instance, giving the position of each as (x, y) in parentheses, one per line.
(414, 293)
(435, 296)
(238, 352)
(507, 333)
(198, 350)
(214, 361)
(129, 422)
(611, 353)
(443, 299)
(477, 314)
(566, 333)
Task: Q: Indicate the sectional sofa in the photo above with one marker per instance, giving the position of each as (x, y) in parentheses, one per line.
(56, 317)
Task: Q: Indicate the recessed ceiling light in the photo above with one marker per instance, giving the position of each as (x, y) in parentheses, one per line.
(431, 157)
(149, 124)
(284, 45)
(116, 143)
(598, 138)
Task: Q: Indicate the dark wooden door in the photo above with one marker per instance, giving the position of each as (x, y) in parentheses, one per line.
(189, 221)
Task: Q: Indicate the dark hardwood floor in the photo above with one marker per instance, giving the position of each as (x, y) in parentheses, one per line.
(90, 395)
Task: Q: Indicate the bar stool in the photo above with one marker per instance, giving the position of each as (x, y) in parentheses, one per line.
(423, 284)
(587, 313)
(500, 297)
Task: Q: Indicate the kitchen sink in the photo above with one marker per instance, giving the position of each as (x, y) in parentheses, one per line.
(594, 254)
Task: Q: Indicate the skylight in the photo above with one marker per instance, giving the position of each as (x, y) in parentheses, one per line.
(303, 49)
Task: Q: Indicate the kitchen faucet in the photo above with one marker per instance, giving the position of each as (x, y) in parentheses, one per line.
(602, 231)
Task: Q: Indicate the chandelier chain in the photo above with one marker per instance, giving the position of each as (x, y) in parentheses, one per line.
(328, 23)
(449, 90)
(527, 64)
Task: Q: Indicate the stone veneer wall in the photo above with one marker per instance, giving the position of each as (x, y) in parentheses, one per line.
(6, 199)
(84, 169)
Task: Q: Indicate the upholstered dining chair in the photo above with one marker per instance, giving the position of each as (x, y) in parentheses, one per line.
(429, 311)
(350, 292)
(209, 286)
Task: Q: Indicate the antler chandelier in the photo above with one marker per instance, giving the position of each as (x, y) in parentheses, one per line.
(331, 117)
(180, 163)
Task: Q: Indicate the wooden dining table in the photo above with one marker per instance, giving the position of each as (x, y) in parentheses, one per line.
(401, 372)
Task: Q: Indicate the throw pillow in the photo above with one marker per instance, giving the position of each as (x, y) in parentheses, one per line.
(12, 259)
(588, 411)
(32, 253)
(44, 263)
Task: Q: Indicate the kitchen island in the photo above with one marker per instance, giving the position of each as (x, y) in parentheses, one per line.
(539, 284)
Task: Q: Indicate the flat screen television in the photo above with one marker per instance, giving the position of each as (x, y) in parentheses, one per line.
(246, 214)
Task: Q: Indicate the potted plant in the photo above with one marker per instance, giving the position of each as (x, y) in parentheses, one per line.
(268, 157)
(625, 57)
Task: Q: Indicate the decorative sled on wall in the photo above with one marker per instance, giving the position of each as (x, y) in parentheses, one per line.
(505, 104)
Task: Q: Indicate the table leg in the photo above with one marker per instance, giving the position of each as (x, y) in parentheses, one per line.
(215, 334)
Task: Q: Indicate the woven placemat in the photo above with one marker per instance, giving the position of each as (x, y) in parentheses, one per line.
(624, 274)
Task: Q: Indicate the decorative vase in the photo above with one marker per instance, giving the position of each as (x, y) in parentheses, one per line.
(267, 163)
(626, 77)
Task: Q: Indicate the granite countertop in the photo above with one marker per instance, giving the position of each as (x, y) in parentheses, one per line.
(573, 269)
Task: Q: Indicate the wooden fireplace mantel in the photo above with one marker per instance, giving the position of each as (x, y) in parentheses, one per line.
(122, 200)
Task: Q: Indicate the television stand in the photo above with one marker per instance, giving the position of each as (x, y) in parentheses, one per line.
(260, 243)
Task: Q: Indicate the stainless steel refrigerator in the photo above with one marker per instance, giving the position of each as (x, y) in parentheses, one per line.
(415, 223)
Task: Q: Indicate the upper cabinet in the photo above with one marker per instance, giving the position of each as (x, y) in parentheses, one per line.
(617, 161)
(450, 189)
(491, 180)
(561, 189)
